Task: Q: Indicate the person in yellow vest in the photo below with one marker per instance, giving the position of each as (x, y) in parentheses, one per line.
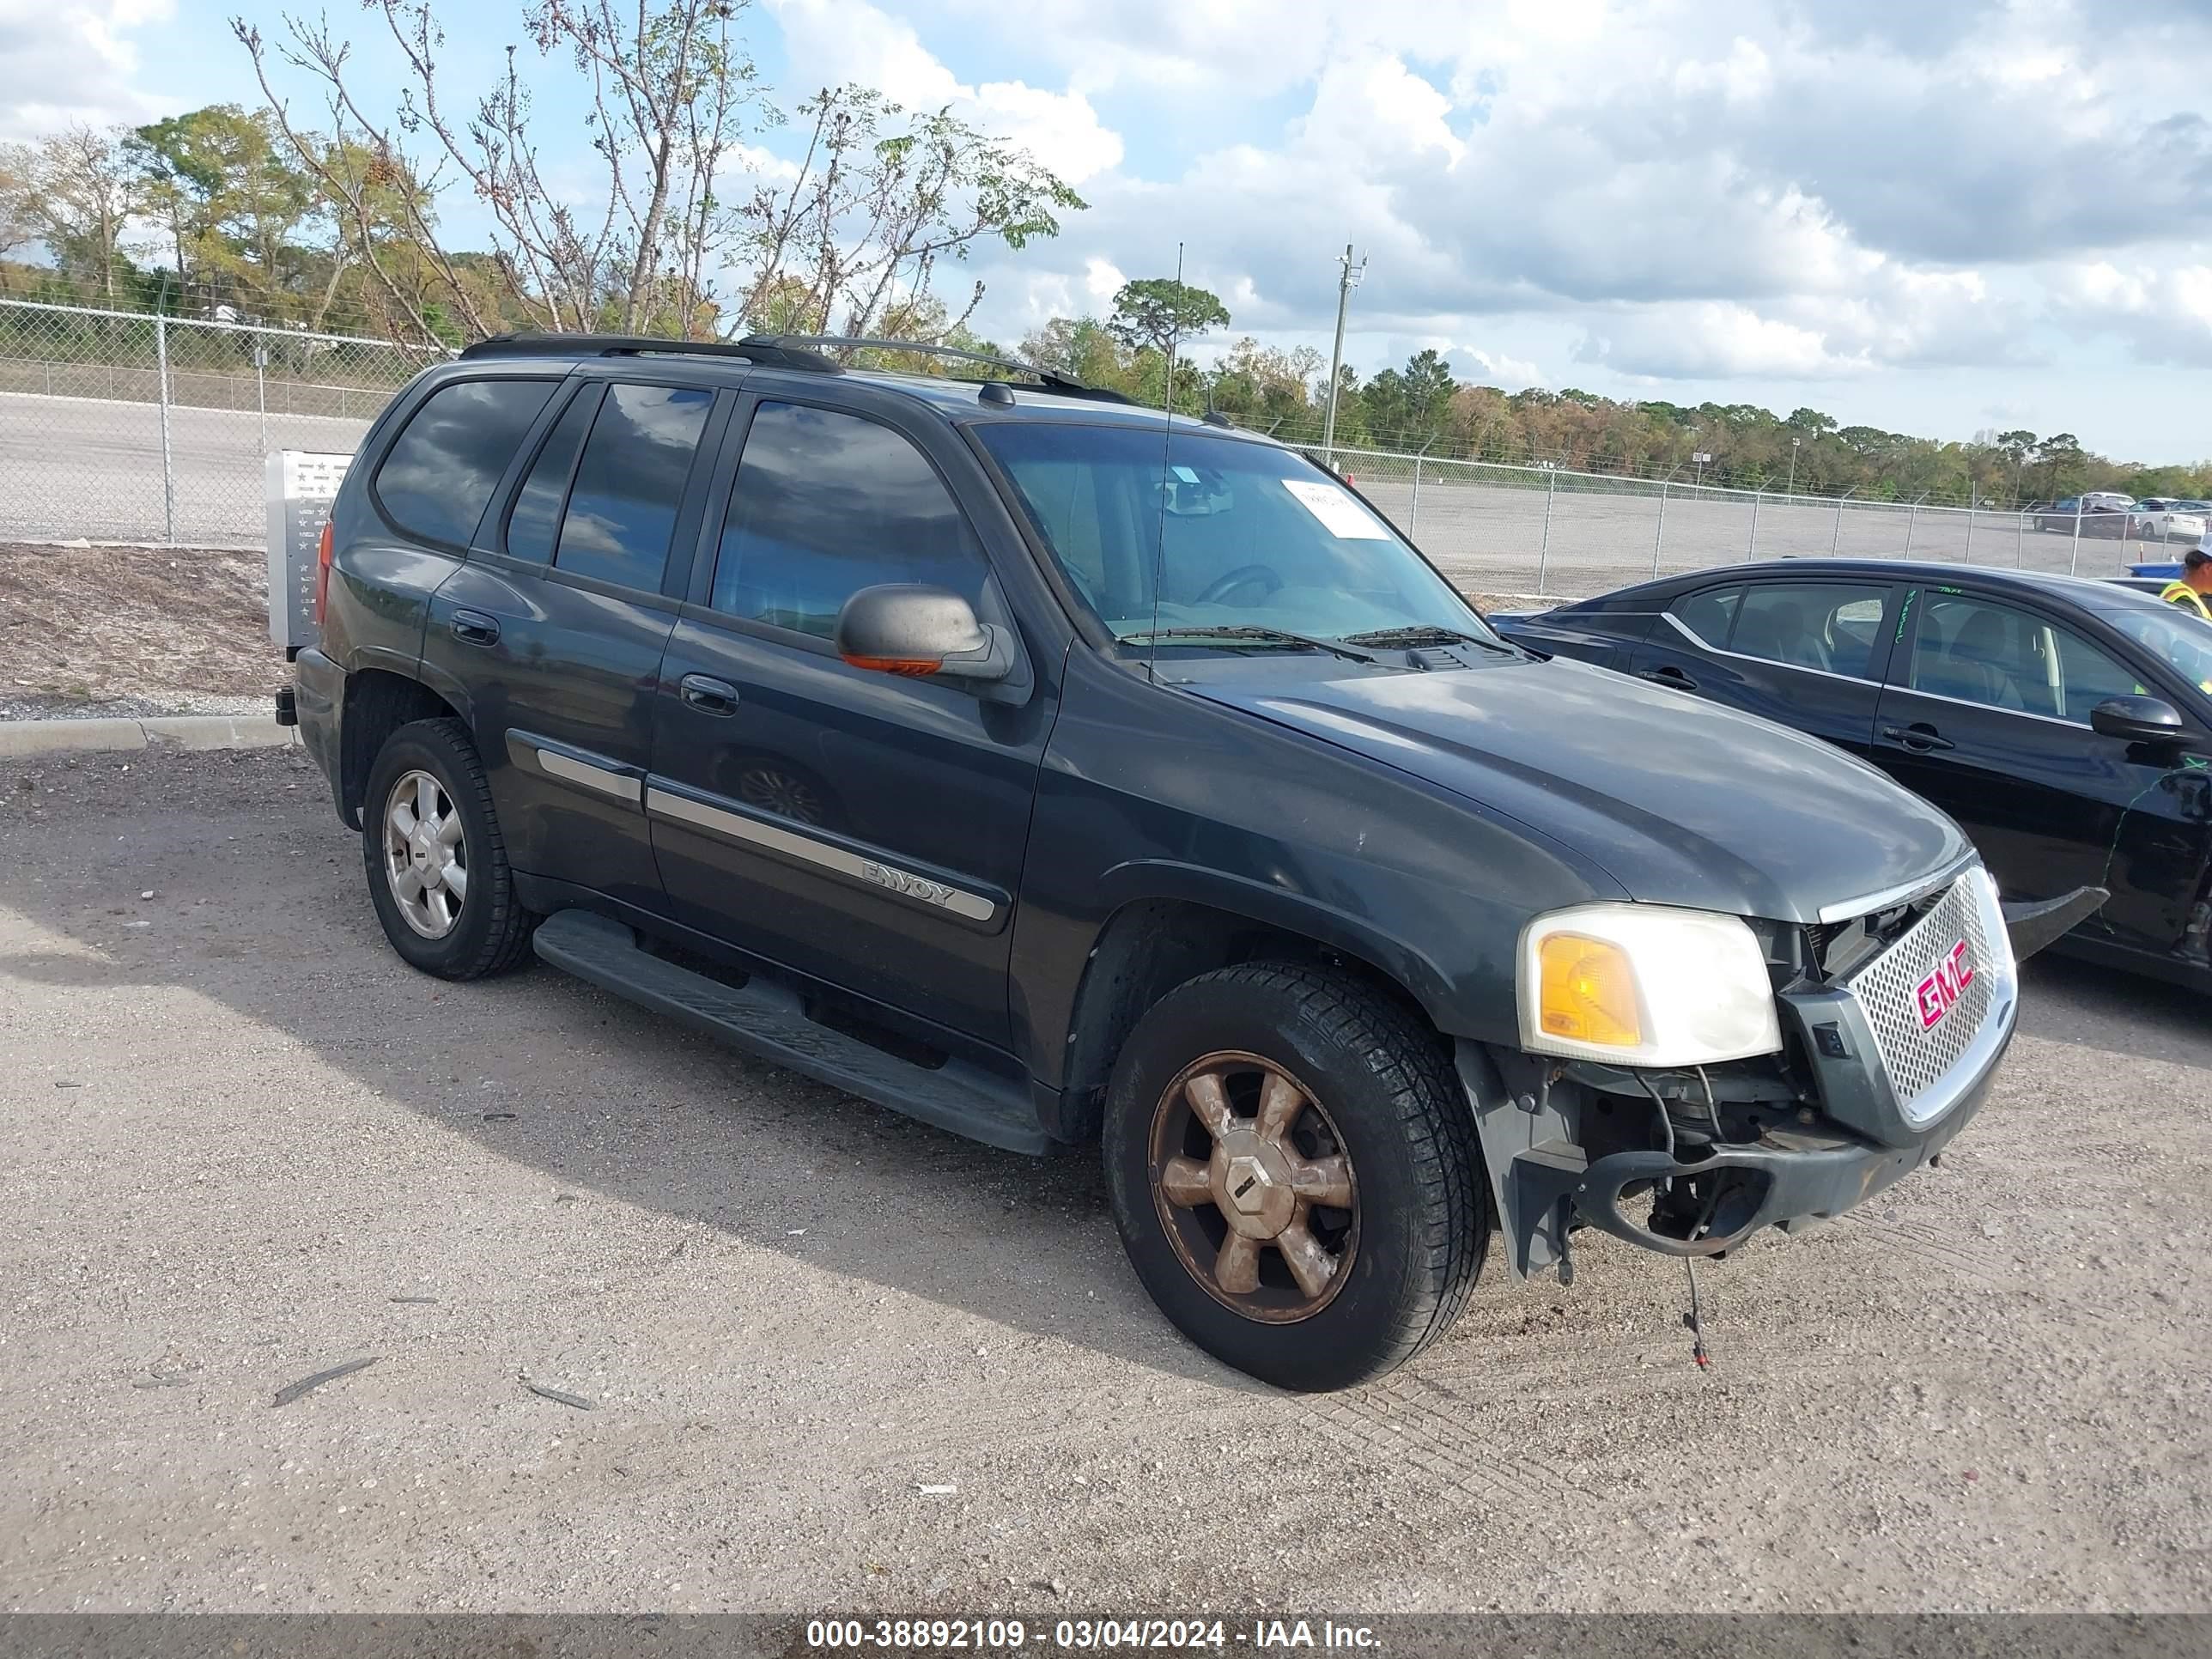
(2195, 582)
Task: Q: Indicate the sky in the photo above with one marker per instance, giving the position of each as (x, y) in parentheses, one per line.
(1934, 216)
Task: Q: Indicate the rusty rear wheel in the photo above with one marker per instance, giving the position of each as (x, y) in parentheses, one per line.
(1293, 1173)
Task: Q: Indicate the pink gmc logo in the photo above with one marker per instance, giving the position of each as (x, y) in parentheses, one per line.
(1934, 995)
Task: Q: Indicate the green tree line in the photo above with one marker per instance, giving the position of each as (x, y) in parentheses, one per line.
(1422, 408)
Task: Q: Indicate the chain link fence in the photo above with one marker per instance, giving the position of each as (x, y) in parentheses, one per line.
(1537, 530)
(120, 426)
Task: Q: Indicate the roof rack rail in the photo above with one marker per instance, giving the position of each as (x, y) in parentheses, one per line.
(1053, 380)
(753, 348)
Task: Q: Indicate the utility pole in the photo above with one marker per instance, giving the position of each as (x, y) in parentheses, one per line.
(1344, 283)
(1790, 489)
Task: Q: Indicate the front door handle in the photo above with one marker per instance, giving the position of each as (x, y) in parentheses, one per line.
(474, 628)
(1919, 736)
(709, 696)
(1669, 675)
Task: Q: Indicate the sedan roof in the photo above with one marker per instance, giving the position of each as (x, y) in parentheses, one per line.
(2090, 592)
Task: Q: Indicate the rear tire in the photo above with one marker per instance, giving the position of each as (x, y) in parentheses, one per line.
(437, 868)
(1293, 1171)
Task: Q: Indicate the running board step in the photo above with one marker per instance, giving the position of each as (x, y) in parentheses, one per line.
(768, 1021)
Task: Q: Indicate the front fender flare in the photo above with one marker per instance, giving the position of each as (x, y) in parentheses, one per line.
(1292, 912)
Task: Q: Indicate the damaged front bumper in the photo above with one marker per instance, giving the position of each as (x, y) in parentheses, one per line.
(1692, 1162)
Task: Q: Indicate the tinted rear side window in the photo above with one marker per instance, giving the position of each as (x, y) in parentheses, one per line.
(1829, 626)
(536, 516)
(437, 479)
(621, 509)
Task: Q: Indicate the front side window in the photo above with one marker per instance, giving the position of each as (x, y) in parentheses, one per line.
(2086, 677)
(825, 504)
(629, 484)
(1980, 651)
(436, 480)
(1196, 533)
(1830, 626)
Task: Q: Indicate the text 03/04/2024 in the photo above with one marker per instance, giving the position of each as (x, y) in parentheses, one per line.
(1083, 1635)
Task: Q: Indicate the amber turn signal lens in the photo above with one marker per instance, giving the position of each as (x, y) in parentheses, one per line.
(1588, 991)
(910, 665)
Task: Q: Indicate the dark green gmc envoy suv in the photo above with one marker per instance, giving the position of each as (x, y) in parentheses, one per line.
(1069, 776)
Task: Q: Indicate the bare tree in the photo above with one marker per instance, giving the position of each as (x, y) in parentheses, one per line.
(881, 197)
(668, 91)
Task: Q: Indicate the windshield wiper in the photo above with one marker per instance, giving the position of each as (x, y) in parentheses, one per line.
(1250, 631)
(1425, 634)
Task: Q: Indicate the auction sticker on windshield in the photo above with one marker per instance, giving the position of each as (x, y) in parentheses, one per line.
(1341, 516)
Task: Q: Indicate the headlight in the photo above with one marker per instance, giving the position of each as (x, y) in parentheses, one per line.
(1644, 985)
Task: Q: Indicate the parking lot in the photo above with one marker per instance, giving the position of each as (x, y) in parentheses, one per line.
(76, 467)
(835, 1359)
(91, 467)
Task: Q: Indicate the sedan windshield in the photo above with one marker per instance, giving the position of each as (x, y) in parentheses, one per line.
(1180, 538)
(2183, 640)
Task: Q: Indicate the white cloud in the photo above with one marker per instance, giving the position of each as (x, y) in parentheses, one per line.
(1494, 369)
(1744, 76)
(2163, 310)
(832, 41)
(1101, 283)
(1713, 340)
(1723, 191)
(71, 63)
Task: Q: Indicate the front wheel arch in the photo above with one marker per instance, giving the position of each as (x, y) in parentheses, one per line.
(1150, 945)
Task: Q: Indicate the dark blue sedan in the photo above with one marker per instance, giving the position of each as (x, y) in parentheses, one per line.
(2066, 724)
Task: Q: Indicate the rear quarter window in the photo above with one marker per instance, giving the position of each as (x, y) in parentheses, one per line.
(436, 481)
(1708, 612)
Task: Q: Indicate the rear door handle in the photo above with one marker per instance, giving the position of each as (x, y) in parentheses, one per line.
(474, 628)
(1669, 675)
(710, 696)
(1918, 736)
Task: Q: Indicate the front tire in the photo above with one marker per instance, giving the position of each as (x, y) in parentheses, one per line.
(436, 863)
(1294, 1174)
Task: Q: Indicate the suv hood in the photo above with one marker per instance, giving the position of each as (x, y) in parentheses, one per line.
(1680, 800)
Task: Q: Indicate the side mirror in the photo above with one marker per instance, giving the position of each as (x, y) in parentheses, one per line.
(905, 628)
(2137, 720)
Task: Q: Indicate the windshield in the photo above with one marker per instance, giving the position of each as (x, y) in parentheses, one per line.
(2183, 640)
(1238, 534)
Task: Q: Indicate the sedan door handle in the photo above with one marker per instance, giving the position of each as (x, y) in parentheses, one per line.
(474, 628)
(709, 696)
(1670, 676)
(1918, 736)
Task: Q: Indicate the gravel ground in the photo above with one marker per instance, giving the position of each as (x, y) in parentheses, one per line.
(126, 632)
(243, 1145)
